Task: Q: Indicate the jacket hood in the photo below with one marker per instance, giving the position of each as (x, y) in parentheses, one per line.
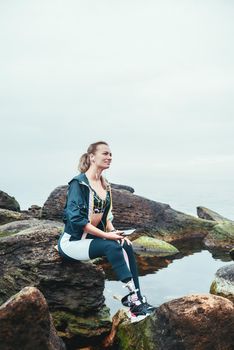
(80, 178)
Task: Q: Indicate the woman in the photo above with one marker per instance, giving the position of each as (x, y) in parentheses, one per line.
(89, 232)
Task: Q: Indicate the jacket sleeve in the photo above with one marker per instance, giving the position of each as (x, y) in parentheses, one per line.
(76, 210)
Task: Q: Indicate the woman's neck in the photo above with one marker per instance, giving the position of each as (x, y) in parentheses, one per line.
(94, 174)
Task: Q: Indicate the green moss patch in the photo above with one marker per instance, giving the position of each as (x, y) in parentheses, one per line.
(148, 245)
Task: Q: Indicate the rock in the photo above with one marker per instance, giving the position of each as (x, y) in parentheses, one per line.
(205, 213)
(122, 187)
(223, 283)
(221, 235)
(120, 317)
(53, 207)
(8, 202)
(82, 330)
(28, 258)
(26, 323)
(17, 226)
(198, 322)
(145, 245)
(35, 211)
(10, 215)
(232, 253)
(152, 218)
(156, 218)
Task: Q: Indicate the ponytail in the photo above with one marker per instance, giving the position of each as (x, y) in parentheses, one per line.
(84, 163)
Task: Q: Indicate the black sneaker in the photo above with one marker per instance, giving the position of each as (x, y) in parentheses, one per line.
(149, 307)
(138, 312)
(140, 309)
(126, 300)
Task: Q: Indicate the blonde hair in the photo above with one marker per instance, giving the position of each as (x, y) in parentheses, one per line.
(84, 162)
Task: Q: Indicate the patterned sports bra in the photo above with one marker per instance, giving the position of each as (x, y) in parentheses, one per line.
(100, 204)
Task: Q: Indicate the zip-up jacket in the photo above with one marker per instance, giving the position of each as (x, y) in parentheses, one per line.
(79, 207)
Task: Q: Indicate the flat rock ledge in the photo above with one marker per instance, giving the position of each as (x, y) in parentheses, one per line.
(195, 322)
(27, 324)
(223, 283)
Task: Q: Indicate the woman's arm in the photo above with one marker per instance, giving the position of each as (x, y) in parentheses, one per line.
(109, 226)
(89, 228)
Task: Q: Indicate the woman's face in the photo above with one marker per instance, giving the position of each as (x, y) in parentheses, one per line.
(102, 157)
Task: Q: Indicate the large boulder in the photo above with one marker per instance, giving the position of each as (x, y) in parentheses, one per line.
(73, 290)
(8, 202)
(53, 207)
(157, 219)
(27, 324)
(197, 322)
(223, 283)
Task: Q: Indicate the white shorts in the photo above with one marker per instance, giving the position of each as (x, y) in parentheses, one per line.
(78, 250)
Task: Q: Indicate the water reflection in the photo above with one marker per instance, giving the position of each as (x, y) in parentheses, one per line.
(162, 279)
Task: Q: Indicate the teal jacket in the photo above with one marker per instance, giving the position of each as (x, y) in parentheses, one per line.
(79, 207)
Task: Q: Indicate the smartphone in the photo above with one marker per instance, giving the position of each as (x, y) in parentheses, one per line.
(128, 232)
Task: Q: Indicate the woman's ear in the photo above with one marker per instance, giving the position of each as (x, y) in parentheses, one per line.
(92, 157)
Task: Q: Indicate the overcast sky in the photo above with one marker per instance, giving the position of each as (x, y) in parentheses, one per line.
(152, 78)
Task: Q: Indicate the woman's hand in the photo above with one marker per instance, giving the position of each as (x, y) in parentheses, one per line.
(114, 235)
(126, 240)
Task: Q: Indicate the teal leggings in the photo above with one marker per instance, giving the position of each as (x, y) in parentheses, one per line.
(114, 253)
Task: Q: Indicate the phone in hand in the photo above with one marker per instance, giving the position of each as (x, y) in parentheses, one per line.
(128, 232)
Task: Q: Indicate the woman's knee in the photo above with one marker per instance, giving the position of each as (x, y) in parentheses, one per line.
(128, 248)
(113, 246)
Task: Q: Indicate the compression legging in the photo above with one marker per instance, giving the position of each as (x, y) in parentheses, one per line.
(121, 257)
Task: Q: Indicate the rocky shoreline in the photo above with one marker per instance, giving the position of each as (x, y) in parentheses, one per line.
(73, 292)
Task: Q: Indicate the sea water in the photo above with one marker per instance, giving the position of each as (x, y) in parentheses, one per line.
(192, 274)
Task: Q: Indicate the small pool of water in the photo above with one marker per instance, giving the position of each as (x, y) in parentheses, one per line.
(163, 279)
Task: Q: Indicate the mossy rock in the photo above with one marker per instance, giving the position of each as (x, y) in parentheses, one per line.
(221, 236)
(223, 283)
(223, 231)
(136, 336)
(70, 325)
(5, 234)
(145, 245)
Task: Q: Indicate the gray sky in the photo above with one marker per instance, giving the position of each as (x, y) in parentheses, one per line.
(152, 78)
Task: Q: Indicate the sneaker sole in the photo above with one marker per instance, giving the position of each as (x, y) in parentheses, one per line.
(139, 318)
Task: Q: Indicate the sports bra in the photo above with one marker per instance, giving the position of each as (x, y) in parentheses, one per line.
(100, 204)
